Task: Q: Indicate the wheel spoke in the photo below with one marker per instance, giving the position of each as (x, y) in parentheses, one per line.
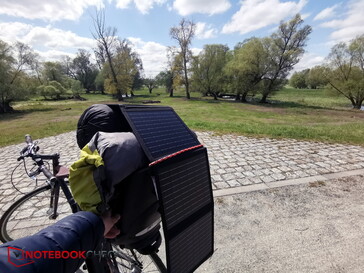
(30, 214)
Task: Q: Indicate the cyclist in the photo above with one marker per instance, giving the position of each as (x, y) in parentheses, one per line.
(78, 232)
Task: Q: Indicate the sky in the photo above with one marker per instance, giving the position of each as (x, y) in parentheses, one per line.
(60, 27)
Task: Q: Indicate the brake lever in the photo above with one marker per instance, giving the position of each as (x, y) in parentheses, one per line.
(35, 173)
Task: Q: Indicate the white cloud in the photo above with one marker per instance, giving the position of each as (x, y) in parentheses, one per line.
(187, 7)
(45, 37)
(196, 51)
(350, 25)
(304, 16)
(57, 38)
(308, 60)
(204, 31)
(54, 10)
(142, 5)
(256, 14)
(326, 13)
(54, 55)
(10, 32)
(52, 44)
(153, 55)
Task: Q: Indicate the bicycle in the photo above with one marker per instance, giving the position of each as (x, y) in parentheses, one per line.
(54, 201)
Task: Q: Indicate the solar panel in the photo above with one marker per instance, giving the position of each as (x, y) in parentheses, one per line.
(184, 189)
(192, 247)
(182, 175)
(159, 130)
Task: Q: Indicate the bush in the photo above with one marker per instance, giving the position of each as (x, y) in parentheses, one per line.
(54, 90)
(76, 88)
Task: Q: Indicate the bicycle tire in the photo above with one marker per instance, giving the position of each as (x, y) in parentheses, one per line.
(132, 261)
(29, 214)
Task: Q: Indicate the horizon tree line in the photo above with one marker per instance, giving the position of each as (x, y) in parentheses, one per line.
(254, 66)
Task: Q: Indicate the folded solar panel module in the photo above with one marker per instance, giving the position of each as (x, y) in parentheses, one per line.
(180, 166)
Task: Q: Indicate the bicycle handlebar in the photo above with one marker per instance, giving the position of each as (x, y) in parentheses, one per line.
(47, 173)
(31, 151)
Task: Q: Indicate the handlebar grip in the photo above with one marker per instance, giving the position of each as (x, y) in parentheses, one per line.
(20, 158)
(28, 139)
(24, 150)
(35, 173)
(47, 173)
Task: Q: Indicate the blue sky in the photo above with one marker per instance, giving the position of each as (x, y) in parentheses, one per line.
(59, 27)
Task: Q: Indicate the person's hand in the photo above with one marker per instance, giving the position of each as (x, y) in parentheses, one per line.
(111, 231)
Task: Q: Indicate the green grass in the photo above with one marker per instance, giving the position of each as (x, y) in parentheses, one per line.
(311, 98)
(299, 114)
(44, 118)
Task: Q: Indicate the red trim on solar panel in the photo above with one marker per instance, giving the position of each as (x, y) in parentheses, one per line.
(174, 154)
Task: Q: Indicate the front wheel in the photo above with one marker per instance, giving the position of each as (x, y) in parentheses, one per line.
(132, 261)
(32, 213)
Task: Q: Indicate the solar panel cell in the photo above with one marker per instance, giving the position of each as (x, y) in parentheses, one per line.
(187, 207)
(192, 246)
(160, 131)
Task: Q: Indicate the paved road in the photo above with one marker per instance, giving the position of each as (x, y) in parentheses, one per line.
(236, 161)
(316, 227)
(307, 228)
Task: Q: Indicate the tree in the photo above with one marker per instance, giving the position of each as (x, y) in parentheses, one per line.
(249, 63)
(53, 90)
(174, 70)
(346, 70)
(207, 69)
(150, 83)
(316, 77)
(53, 71)
(106, 46)
(15, 61)
(299, 79)
(165, 78)
(127, 64)
(83, 70)
(137, 82)
(284, 47)
(183, 34)
(100, 81)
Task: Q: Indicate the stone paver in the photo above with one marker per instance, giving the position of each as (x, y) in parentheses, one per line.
(239, 161)
(65, 144)
(235, 161)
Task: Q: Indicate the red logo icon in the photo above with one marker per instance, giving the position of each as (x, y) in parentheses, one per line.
(16, 257)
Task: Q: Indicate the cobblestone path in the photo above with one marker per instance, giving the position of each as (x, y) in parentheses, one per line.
(235, 160)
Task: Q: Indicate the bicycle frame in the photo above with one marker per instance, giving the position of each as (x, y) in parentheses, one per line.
(57, 182)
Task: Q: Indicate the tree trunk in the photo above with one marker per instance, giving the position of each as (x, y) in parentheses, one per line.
(188, 96)
(132, 93)
(215, 95)
(237, 97)
(113, 74)
(5, 107)
(264, 98)
(171, 92)
(186, 79)
(353, 102)
(243, 97)
(150, 90)
(357, 104)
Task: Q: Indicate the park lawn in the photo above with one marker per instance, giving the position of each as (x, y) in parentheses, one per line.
(44, 118)
(299, 114)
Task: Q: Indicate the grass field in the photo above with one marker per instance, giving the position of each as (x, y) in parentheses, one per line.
(299, 114)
